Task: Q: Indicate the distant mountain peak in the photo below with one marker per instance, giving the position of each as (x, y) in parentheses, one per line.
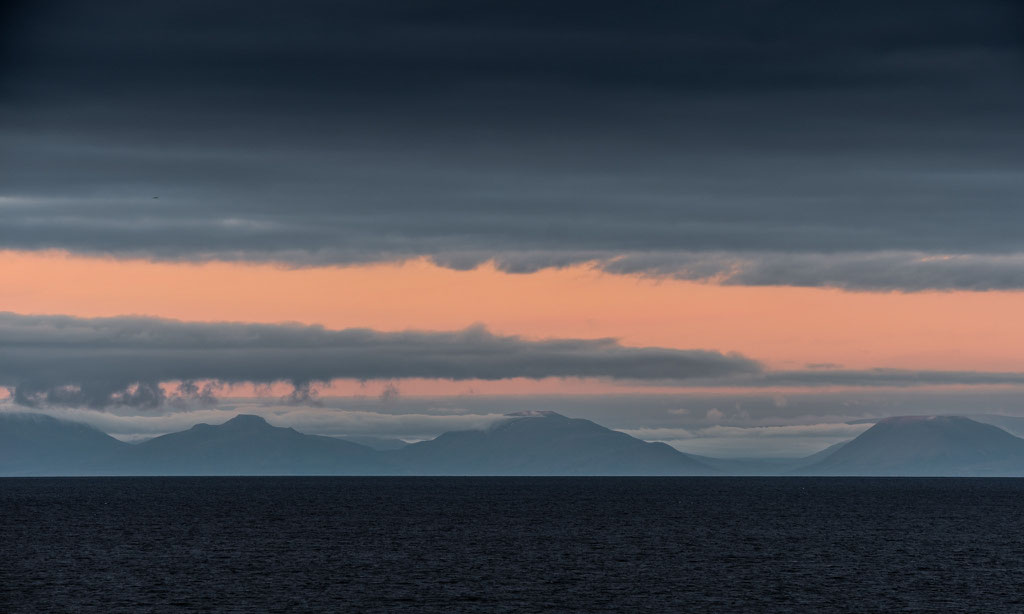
(545, 443)
(927, 445)
(535, 413)
(247, 420)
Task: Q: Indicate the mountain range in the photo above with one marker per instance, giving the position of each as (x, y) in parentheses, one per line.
(527, 443)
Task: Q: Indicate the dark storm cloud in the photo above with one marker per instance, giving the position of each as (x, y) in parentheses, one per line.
(837, 144)
(121, 361)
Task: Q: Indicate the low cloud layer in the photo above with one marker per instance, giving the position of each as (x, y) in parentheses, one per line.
(99, 362)
(830, 429)
(765, 441)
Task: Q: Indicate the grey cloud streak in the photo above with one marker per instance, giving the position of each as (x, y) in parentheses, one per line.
(879, 377)
(881, 270)
(815, 147)
(104, 362)
(61, 360)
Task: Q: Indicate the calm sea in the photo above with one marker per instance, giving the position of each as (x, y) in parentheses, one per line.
(511, 545)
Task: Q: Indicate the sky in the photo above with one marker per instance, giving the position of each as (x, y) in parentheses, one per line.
(735, 227)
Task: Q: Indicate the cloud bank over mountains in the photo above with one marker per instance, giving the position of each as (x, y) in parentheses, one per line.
(869, 146)
(100, 362)
(105, 362)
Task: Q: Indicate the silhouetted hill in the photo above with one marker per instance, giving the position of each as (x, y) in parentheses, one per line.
(248, 445)
(545, 443)
(926, 446)
(37, 444)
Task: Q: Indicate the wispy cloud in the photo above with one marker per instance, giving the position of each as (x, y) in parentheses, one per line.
(831, 429)
(788, 441)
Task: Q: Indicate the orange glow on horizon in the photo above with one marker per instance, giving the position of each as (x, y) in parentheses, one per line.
(784, 327)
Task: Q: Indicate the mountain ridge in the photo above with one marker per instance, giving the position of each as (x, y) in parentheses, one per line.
(38, 444)
(523, 443)
(927, 446)
(558, 445)
(249, 445)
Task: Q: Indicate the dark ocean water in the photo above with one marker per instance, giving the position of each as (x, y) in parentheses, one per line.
(511, 545)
